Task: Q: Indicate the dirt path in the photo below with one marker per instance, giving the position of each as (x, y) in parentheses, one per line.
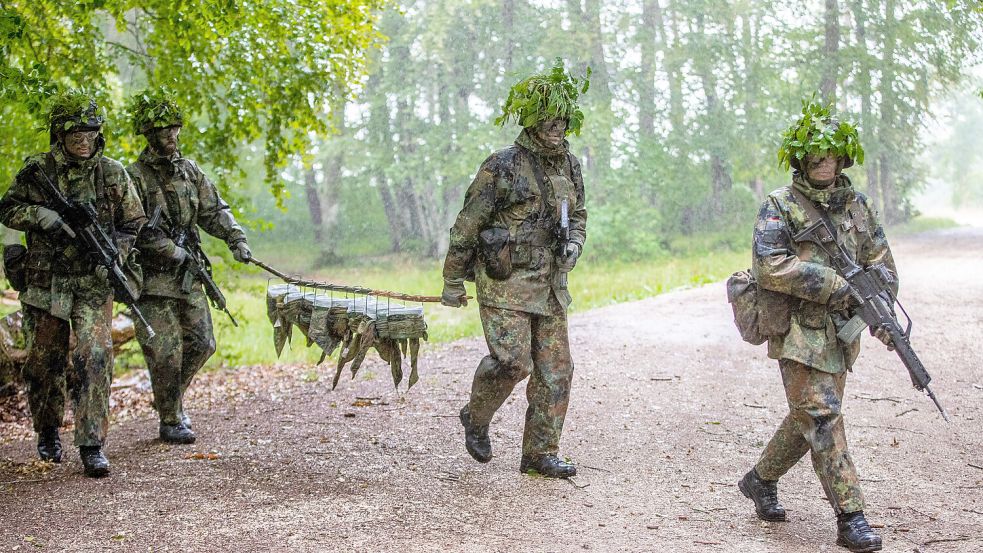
(669, 409)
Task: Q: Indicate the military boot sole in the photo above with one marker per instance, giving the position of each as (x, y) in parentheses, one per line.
(858, 548)
(476, 455)
(763, 516)
(96, 472)
(179, 440)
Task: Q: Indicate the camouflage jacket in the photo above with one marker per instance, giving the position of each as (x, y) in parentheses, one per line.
(506, 193)
(805, 273)
(58, 270)
(187, 200)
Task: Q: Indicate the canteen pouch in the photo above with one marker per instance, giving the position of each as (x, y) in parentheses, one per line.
(14, 266)
(493, 246)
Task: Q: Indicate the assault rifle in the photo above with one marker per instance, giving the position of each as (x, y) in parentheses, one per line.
(564, 234)
(870, 287)
(80, 219)
(198, 266)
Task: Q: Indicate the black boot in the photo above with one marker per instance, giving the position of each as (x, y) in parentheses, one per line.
(764, 493)
(547, 465)
(93, 461)
(476, 439)
(176, 434)
(49, 445)
(853, 532)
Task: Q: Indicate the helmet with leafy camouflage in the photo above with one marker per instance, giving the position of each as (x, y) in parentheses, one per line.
(154, 108)
(73, 110)
(818, 133)
(546, 96)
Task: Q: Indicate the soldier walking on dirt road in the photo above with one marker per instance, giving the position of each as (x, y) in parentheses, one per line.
(521, 230)
(814, 363)
(63, 290)
(179, 198)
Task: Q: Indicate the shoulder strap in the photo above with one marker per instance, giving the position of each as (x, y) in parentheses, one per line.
(813, 213)
(50, 168)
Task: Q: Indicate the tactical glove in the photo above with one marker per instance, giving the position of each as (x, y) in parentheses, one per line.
(454, 294)
(102, 272)
(885, 337)
(48, 219)
(241, 252)
(569, 259)
(179, 256)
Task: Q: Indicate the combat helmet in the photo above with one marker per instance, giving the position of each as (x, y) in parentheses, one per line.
(154, 108)
(73, 110)
(818, 132)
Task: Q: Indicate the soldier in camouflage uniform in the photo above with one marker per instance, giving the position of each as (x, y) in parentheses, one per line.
(518, 193)
(65, 290)
(186, 199)
(814, 363)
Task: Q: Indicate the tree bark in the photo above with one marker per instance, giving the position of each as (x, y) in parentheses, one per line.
(831, 65)
(887, 133)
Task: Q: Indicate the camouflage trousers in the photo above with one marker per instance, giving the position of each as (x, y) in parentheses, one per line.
(524, 345)
(814, 425)
(90, 374)
(183, 344)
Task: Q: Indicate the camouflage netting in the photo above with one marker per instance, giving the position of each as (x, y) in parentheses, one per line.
(355, 324)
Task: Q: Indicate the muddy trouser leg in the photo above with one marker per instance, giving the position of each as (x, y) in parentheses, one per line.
(163, 354)
(815, 401)
(44, 368)
(198, 340)
(548, 390)
(92, 363)
(509, 360)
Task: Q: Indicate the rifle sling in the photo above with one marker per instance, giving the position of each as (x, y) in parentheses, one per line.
(813, 213)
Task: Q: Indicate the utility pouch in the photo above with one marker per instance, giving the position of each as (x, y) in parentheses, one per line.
(758, 313)
(14, 266)
(493, 247)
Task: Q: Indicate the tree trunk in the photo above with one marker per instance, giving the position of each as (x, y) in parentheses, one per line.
(313, 204)
(392, 215)
(887, 134)
(588, 18)
(676, 110)
(831, 65)
(646, 73)
(871, 144)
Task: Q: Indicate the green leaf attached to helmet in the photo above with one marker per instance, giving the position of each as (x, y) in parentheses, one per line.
(154, 108)
(546, 96)
(818, 133)
(74, 108)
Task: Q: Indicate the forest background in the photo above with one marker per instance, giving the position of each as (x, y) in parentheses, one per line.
(346, 133)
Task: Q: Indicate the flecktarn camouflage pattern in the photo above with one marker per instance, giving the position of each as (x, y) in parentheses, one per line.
(355, 324)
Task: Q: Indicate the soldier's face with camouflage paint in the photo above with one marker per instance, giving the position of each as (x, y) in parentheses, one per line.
(551, 131)
(81, 143)
(822, 171)
(164, 140)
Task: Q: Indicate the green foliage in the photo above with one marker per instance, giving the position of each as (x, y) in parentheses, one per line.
(244, 72)
(154, 108)
(546, 96)
(818, 134)
(71, 108)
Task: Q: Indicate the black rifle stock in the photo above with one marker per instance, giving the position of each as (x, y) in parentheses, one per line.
(870, 287)
(199, 267)
(80, 220)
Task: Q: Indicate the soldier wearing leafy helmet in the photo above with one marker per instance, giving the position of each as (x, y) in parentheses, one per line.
(521, 230)
(814, 362)
(64, 290)
(173, 300)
